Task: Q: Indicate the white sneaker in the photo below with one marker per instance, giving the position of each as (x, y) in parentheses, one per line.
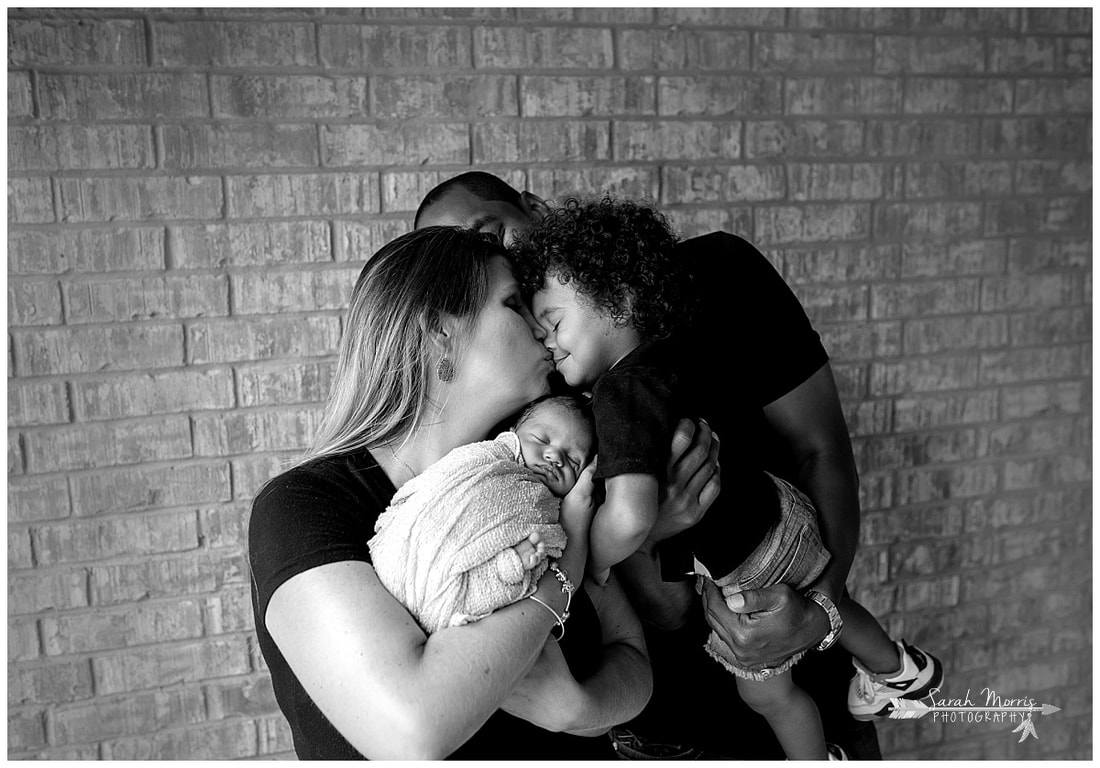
(872, 695)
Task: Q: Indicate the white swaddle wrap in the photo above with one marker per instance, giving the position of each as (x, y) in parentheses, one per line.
(445, 545)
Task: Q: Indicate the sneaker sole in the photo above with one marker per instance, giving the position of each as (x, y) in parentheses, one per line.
(920, 693)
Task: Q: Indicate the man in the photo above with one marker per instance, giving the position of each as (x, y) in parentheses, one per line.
(695, 711)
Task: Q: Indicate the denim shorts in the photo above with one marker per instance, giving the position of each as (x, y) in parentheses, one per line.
(791, 553)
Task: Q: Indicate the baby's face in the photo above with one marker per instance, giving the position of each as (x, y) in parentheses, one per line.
(556, 444)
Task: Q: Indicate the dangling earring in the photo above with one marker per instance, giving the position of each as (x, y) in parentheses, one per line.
(445, 371)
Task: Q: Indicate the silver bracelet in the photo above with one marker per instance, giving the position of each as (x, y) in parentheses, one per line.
(559, 619)
(566, 587)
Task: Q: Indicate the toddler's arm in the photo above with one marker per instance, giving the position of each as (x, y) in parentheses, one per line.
(622, 522)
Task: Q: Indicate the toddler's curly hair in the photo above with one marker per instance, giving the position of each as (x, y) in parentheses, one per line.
(618, 254)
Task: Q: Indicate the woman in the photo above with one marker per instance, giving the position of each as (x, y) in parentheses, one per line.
(438, 347)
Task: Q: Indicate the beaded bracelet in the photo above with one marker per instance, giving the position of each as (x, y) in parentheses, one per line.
(567, 589)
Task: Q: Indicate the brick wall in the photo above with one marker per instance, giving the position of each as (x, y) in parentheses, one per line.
(191, 194)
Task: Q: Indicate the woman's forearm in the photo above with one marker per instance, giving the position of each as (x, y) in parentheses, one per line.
(617, 692)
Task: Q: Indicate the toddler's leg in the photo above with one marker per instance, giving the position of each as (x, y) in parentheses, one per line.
(790, 712)
(531, 551)
(864, 638)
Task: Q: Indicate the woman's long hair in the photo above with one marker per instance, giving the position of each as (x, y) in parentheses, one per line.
(380, 390)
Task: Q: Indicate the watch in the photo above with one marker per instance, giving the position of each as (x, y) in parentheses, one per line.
(835, 622)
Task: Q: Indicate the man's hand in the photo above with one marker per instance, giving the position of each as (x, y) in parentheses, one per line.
(694, 479)
(768, 626)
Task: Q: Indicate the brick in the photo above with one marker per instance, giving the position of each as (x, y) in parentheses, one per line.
(817, 52)
(693, 222)
(834, 304)
(937, 484)
(1025, 437)
(932, 374)
(92, 350)
(869, 567)
(914, 450)
(230, 611)
(134, 625)
(499, 47)
(193, 573)
(287, 97)
(1017, 365)
(1037, 177)
(957, 179)
(812, 223)
(115, 300)
(950, 334)
(714, 96)
(836, 181)
(876, 491)
(1044, 471)
(931, 219)
(1074, 55)
(245, 146)
(125, 198)
(60, 682)
(725, 17)
(448, 96)
(939, 20)
(923, 136)
(868, 418)
(357, 240)
(37, 498)
(1073, 20)
(841, 95)
(145, 487)
(274, 732)
(1049, 255)
(933, 297)
(1051, 399)
(1034, 291)
(560, 142)
(829, 18)
(917, 559)
(55, 43)
(251, 697)
(16, 463)
(1053, 96)
(153, 667)
(434, 143)
(929, 593)
(1022, 55)
(940, 521)
(255, 431)
(841, 264)
(973, 257)
(614, 15)
(954, 96)
(861, 341)
(1036, 135)
(88, 250)
(250, 473)
(39, 591)
(203, 246)
(123, 96)
(92, 540)
(234, 44)
(790, 139)
(234, 739)
(225, 341)
(374, 47)
(683, 48)
(576, 96)
(19, 550)
(938, 54)
(30, 201)
(83, 446)
(225, 526)
(139, 713)
(436, 13)
(79, 147)
(153, 393)
(26, 729)
(637, 183)
(22, 640)
(302, 195)
(34, 302)
(1065, 214)
(1052, 326)
(742, 183)
(20, 95)
(275, 292)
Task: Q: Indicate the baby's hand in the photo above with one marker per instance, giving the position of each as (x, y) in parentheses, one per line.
(579, 505)
(531, 551)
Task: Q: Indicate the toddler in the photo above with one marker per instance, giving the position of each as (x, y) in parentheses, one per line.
(611, 296)
(474, 531)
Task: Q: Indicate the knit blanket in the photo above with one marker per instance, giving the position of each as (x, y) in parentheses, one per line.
(445, 547)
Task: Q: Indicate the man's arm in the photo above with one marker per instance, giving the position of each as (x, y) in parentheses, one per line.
(775, 622)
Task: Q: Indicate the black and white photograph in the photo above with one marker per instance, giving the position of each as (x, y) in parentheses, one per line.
(550, 383)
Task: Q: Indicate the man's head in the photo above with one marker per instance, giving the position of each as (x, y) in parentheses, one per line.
(557, 438)
(481, 201)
